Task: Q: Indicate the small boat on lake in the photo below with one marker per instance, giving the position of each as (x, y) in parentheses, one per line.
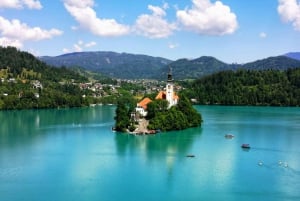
(245, 146)
(190, 156)
(229, 136)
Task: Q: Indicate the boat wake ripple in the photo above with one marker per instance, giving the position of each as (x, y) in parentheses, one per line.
(76, 126)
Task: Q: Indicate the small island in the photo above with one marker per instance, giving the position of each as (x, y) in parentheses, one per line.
(166, 112)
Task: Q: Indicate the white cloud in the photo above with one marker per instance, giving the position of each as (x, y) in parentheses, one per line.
(74, 28)
(80, 42)
(154, 25)
(157, 11)
(87, 18)
(80, 46)
(262, 35)
(165, 6)
(173, 45)
(10, 42)
(14, 32)
(32, 4)
(66, 50)
(77, 48)
(90, 44)
(208, 18)
(289, 11)
(19, 4)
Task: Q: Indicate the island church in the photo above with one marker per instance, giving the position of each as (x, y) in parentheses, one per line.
(169, 95)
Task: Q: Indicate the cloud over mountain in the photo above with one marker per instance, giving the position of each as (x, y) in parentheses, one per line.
(208, 18)
(203, 17)
(14, 32)
(289, 11)
(79, 46)
(86, 16)
(154, 25)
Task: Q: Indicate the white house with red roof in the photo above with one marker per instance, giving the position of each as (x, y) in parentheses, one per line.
(141, 107)
(168, 95)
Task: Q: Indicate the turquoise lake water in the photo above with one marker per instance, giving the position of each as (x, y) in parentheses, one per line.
(71, 154)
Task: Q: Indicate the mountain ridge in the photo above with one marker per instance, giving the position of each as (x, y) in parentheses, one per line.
(139, 66)
(110, 63)
(293, 55)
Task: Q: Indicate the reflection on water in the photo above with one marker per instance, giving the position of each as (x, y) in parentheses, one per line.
(72, 154)
(25, 125)
(165, 148)
(171, 144)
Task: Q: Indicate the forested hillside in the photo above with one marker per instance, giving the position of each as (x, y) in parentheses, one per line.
(116, 65)
(26, 82)
(203, 66)
(274, 63)
(16, 62)
(197, 68)
(245, 87)
(133, 66)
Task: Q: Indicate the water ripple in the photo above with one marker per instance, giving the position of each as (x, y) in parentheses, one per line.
(74, 125)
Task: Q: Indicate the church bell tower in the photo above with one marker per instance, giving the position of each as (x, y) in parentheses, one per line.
(170, 89)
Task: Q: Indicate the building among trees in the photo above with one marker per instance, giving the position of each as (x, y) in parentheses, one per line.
(165, 112)
(169, 95)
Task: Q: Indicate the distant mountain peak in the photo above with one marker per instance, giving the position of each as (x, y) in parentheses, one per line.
(113, 64)
(293, 55)
(138, 66)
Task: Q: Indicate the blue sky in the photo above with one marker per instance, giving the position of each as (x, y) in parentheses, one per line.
(230, 30)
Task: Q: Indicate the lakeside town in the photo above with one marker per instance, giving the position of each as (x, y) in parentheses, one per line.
(96, 89)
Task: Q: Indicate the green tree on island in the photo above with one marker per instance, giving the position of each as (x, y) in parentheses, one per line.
(122, 118)
(178, 117)
(125, 107)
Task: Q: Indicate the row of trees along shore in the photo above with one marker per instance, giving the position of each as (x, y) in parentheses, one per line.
(241, 87)
(246, 87)
(178, 117)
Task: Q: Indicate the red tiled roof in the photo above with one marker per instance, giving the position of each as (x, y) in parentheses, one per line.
(143, 103)
(162, 95)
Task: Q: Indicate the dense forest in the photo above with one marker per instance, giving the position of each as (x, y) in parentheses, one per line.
(247, 87)
(16, 61)
(26, 82)
(125, 106)
(178, 117)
